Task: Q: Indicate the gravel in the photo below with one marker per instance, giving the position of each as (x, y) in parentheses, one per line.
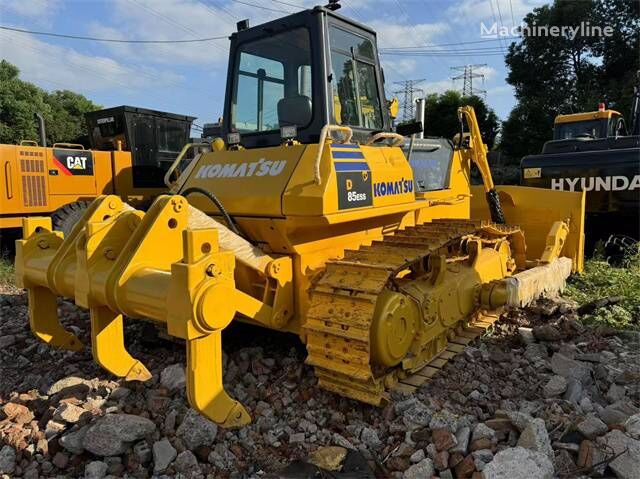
(511, 405)
(196, 430)
(163, 455)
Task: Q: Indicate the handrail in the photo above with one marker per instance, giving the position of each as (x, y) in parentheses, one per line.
(176, 162)
(326, 129)
(28, 143)
(71, 146)
(398, 139)
(8, 180)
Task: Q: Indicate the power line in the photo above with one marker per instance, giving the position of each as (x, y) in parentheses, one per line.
(513, 22)
(444, 50)
(408, 47)
(163, 16)
(109, 40)
(467, 77)
(495, 20)
(466, 53)
(255, 5)
(295, 5)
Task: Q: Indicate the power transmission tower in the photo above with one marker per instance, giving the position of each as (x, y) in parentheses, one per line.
(408, 91)
(467, 77)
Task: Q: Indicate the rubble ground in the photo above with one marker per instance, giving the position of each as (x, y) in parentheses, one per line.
(540, 396)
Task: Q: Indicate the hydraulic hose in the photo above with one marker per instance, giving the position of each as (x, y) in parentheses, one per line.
(495, 207)
(214, 199)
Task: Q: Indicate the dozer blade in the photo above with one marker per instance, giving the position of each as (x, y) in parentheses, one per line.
(117, 262)
(536, 211)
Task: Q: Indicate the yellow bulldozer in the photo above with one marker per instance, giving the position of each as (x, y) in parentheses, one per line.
(309, 218)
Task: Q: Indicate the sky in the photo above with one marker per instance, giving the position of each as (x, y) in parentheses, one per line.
(190, 78)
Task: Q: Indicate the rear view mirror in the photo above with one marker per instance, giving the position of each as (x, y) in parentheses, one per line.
(408, 129)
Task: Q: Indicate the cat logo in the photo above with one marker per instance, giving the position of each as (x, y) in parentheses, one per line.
(72, 162)
(76, 162)
(365, 176)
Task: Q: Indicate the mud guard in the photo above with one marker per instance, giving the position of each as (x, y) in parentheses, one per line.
(535, 210)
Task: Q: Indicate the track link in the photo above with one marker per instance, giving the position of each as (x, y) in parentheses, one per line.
(344, 298)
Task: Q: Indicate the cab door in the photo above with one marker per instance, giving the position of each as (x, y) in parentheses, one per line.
(10, 202)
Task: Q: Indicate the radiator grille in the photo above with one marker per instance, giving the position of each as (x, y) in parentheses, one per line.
(33, 182)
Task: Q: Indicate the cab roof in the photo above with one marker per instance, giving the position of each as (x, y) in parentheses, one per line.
(279, 23)
(585, 116)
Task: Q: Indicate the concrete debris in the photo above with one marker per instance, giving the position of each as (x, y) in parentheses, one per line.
(173, 378)
(420, 470)
(626, 454)
(542, 392)
(114, 433)
(519, 463)
(555, 387)
(592, 427)
(163, 455)
(196, 430)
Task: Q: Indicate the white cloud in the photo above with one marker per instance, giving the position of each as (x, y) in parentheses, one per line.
(488, 72)
(65, 68)
(500, 90)
(406, 34)
(468, 11)
(439, 86)
(179, 19)
(30, 8)
(398, 66)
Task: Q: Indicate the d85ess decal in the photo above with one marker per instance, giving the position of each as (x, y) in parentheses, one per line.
(354, 189)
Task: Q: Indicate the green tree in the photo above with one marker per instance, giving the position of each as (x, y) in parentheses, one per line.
(620, 52)
(63, 111)
(67, 110)
(441, 117)
(556, 75)
(19, 101)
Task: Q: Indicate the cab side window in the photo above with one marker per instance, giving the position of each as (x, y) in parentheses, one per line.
(356, 100)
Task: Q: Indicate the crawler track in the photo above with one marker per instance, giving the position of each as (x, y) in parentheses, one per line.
(343, 302)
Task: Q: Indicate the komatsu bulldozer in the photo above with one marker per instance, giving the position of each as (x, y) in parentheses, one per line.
(308, 217)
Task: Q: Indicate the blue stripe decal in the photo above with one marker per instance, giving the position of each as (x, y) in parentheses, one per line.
(344, 145)
(347, 154)
(351, 166)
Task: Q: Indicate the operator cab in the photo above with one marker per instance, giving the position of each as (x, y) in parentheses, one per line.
(154, 139)
(305, 70)
(589, 126)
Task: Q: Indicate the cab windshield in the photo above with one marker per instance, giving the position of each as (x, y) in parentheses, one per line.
(578, 129)
(272, 84)
(356, 101)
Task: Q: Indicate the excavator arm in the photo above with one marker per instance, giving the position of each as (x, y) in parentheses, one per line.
(479, 157)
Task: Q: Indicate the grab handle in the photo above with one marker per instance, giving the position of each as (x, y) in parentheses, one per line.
(8, 179)
(326, 129)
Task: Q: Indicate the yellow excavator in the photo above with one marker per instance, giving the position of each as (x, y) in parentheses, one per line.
(309, 218)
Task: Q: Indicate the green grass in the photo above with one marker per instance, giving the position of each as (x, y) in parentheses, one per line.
(6, 271)
(601, 280)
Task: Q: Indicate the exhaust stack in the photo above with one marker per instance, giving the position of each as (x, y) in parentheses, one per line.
(41, 129)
